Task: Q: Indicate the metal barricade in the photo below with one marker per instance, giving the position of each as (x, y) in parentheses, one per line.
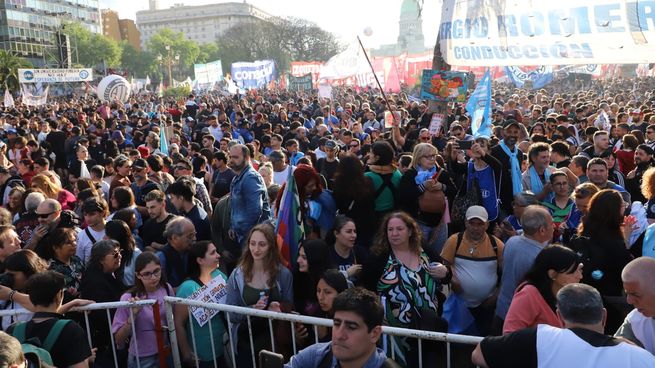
(293, 319)
(99, 307)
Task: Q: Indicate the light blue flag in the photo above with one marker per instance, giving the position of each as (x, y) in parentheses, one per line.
(479, 106)
(163, 141)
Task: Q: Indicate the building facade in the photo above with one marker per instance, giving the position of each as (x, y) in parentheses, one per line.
(120, 29)
(202, 24)
(29, 27)
(410, 33)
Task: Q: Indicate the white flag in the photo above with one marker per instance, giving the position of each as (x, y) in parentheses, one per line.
(9, 100)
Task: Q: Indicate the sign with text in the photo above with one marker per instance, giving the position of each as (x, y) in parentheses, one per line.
(55, 75)
(214, 292)
(257, 74)
(303, 83)
(208, 73)
(555, 32)
(436, 123)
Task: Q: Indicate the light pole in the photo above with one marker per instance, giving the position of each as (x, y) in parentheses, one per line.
(168, 60)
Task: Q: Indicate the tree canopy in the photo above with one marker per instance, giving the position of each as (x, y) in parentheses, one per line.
(9, 64)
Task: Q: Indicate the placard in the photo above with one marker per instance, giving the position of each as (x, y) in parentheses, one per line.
(214, 292)
(443, 86)
(436, 123)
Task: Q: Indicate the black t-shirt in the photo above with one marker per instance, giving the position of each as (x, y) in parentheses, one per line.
(71, 347)
(153, 231)
(222, 181)
(327, 169)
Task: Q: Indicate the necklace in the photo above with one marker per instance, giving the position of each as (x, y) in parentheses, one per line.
(474, 246)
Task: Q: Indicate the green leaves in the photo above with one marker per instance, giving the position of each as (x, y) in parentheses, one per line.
(9, 64)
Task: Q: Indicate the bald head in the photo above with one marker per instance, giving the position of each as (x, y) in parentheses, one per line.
(640, 270)
(638, 277)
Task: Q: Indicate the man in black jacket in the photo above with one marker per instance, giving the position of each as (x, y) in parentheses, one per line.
(510, 138)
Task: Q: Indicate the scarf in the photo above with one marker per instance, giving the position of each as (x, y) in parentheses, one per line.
(84, 171)
(535, 181)
(515, 169)
(423, 175)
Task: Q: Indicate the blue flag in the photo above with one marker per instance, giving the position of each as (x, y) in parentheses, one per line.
(479, 106)
(163, 140)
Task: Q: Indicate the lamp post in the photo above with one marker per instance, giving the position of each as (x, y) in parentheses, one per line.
(168, 60)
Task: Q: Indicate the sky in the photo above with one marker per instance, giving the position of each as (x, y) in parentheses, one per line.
(345, 18)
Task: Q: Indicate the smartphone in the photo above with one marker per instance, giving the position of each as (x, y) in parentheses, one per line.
(465, 145)
(268, 359)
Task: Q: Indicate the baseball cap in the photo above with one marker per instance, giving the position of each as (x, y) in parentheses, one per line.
(140, 163)
(93, 205)
(509, 122)
(331, 144)
(477, 212)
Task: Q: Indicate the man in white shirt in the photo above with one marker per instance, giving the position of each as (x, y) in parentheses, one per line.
(639, 325)
(94, 210)
(280, 167)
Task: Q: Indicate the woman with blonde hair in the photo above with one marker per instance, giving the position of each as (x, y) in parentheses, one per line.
(425, 175)
(54, 191)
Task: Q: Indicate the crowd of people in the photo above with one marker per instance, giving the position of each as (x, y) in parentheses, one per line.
(540, 230)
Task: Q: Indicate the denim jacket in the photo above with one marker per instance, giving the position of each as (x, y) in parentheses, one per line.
(249, 202)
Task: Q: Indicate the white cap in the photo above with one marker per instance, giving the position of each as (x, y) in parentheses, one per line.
(477, 212)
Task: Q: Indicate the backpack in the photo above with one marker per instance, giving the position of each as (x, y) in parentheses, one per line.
(34, 345)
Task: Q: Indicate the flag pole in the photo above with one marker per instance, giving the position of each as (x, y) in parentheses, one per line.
(384, 95)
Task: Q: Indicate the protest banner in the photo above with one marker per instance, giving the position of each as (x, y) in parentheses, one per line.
(555, 32)
(214, 292)
(208, 73)
(303, 83)
(253, 75)
(55, 75)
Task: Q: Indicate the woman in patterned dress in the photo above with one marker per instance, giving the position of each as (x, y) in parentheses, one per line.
(408, 282)
(64, 261)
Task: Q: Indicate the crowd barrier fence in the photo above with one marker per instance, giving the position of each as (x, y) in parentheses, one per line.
(249, 313)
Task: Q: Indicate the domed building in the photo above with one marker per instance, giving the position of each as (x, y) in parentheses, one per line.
(410, 33)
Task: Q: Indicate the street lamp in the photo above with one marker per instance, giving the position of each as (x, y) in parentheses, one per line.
(168, 60)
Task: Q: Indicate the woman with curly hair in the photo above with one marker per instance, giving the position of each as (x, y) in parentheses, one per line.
(407, 280)
(648, 191)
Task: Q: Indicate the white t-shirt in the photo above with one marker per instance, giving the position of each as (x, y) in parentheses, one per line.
(281, 177)
(84, 244)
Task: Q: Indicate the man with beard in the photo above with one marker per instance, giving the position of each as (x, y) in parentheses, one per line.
(644, 160)
(511, 158)
(248, 195)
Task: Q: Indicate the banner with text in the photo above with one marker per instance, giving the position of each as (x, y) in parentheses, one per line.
(300, 68)
(555, 32)
(303, 83)
(208, 73)
(55, 75)
(253, 75)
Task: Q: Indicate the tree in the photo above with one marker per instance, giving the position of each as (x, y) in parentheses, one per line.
(208, 52)
(137, 63)
(9, 65)
(187, 50)
(280, 39)
(93, 50)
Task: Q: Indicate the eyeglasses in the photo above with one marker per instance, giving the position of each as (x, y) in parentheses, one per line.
(44, 215)
(117, 253)
(354, 145)
(153, 274)
(430, 157)
(424, 138)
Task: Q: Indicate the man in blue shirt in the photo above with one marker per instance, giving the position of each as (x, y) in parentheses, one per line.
(358, 317)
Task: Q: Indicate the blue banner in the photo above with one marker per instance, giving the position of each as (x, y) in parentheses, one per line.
(254, 75)
(479, 106)
(540, 77)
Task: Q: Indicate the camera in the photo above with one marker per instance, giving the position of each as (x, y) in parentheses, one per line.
(7, 279)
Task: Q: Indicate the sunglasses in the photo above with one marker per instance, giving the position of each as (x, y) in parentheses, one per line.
(44, 215)
(425, 138)
(117, 253)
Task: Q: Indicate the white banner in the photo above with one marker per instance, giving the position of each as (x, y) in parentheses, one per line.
(348, 63)
(208, 73)
(8, 100)
(30, 99)
(55, 75)
(554, 32)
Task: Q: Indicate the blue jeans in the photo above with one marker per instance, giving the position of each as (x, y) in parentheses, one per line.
(438, 234)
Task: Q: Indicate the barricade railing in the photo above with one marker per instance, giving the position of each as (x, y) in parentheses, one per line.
(107, 307)
(248, 313)
(293, 319)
